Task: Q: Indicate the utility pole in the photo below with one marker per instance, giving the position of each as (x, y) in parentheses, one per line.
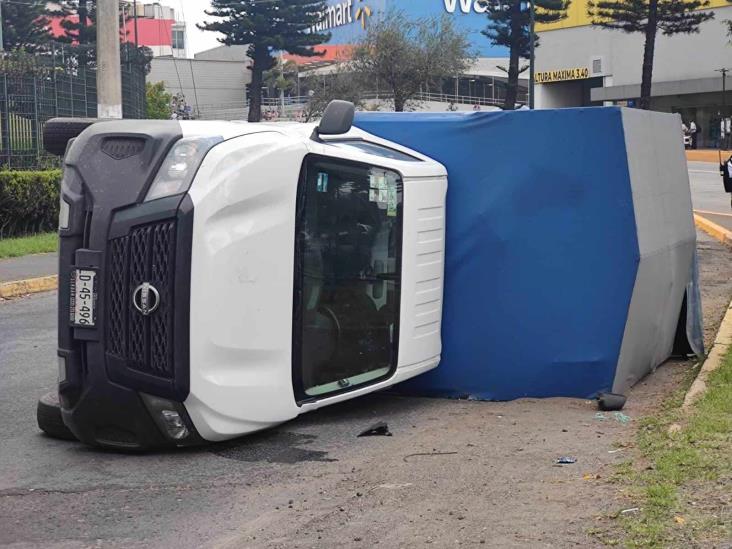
(134, 7)
(2, 38)
(532, 83)
(109, 76)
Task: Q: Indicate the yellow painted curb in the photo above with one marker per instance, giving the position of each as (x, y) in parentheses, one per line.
(29, 286)
(717, 354)
(714, 230)
(706, 155)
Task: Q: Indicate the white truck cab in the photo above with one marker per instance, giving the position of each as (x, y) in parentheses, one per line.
(219, 278)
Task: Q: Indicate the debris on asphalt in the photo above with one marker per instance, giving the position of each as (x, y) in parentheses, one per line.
(610, 401)
(566, 460)
(620, 417)
(392, 486)
(378, 429)
(405, 458)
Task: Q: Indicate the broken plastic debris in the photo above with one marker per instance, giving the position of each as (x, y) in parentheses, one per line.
(600, 416)
(621, 417)
(631, 510)
(566, 460)
(379, 429)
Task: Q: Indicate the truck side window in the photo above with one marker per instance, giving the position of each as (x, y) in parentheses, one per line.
(348, 276)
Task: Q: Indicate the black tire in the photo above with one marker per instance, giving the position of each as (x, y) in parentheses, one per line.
(609, 402)
(57, 133)
(49, 417)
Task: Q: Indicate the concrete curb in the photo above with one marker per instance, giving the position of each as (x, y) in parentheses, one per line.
(28, 286)
(720, 348)
(713, 230)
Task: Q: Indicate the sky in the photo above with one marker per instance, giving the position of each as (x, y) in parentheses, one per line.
(192, 12)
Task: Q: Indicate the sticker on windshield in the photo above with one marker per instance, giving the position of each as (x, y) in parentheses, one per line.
(391, 202)
(322, 182)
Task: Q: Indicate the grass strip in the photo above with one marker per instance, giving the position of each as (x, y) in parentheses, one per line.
(26, 245)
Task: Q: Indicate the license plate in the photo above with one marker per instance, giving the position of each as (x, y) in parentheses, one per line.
(83, 298)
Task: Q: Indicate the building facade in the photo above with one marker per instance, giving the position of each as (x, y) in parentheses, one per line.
(578, 64)
(482, 85)
(146, 24)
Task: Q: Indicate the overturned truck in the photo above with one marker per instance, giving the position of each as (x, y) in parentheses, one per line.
(216, 279)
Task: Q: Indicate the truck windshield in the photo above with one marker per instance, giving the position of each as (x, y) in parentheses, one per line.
(348, 276)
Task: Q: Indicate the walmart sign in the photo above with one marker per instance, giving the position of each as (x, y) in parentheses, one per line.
(347, 20)
(465, 6)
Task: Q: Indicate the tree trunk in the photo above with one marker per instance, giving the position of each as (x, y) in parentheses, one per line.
(83, 12)
(255, 88)
(648, 52)
(398, 103)
(517, 31)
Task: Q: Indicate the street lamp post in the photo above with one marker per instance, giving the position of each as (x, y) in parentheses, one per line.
(724, 72)
(531, 53)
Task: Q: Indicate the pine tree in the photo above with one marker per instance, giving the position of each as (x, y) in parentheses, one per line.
(508, 26)
(25, 26)
(79, 22)
(267, 27)
(648, 17)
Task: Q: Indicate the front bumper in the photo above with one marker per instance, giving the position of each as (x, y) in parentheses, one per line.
(104, 370)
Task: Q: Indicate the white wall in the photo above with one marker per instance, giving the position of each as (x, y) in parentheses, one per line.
(216, 88)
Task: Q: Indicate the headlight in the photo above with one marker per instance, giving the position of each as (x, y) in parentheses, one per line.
(63, 215)
(180, 166)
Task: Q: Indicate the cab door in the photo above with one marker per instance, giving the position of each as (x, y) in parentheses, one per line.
(348, 266)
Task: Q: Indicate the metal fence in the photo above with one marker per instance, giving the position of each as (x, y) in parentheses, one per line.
(56, 83)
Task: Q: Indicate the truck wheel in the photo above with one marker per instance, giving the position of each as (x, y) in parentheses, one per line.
(57, 132)
(49, 418)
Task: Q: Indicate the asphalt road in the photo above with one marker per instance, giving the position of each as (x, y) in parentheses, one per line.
(454, 473)
(707, 194)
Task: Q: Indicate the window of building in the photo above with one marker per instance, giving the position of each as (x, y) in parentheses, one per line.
(347, 276)
(179, 39)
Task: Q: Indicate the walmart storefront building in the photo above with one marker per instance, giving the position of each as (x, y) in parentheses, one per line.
(579, 65)
(483, 83)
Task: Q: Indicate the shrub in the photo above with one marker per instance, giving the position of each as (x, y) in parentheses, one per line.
(29, 202)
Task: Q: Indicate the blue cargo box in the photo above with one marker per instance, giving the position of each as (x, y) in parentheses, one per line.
(569, 248)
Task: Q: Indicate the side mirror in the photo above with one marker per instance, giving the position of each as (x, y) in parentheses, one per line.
(337, 119)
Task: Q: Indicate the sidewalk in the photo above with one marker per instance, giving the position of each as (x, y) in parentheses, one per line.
(29, 266)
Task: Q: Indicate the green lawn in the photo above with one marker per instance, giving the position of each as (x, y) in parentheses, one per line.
(684, 486)
(36, 244)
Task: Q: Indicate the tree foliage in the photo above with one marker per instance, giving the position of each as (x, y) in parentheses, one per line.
(339, 84)
(508, 26)
(25, 26)
(79, 21)
(402, 55)
(649, 17)
(282, 77)
(267, 27)
(158, 101)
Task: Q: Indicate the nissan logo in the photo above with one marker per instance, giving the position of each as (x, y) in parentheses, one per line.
(146, 299)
